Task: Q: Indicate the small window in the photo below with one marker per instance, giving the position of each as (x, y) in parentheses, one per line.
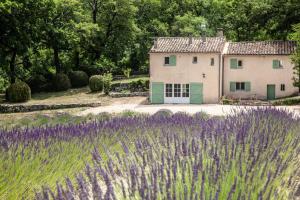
(240, 86)
(212, 62)
(169, 90)
(240, 63)
(195, 59)
(185, 90)
(167, 60)
(282, 87)
(177, 90)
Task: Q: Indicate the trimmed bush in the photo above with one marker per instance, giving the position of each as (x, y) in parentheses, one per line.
(107, 79)
(61, 82)
(18, 92)
(78, 79)
(96, 83)
(39, 83)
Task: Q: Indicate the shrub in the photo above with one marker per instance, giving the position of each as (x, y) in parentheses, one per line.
(18, 92)
(96, 83)
(107, 79)
(295, 101)
(139, 85)
(61, 82)
(163, 112)
(78, 79)
(38, 83)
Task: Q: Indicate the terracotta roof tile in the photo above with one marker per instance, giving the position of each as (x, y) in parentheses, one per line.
(181, 45)
(261, 48)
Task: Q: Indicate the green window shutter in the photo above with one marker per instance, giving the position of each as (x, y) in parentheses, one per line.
(232, 86)
(276, 64)
(157, 94)
(233, 63)
(196, 91)
(173, 60)
(247, 86)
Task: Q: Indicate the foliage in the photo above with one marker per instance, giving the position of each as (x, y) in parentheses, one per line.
(170, 154)
(107, 80)
(78, 79)
(296, 57)
(289, 101)
(3, 81)
(96, 83)
(18, 92)
(139, 85)
(127, 72)
(102, 36)
(61, 82)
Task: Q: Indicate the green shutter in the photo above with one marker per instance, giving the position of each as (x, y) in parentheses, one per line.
(157, 94)
(232, 86)
(276, 64)
(196, 93)
(247, 86)
(233, 63)
(173, 60)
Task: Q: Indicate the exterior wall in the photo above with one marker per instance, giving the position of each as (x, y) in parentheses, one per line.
(259, 71)
(186, 72)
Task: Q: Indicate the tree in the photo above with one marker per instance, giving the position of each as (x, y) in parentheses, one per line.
(59, 28)
(19, 29)
(296, 57)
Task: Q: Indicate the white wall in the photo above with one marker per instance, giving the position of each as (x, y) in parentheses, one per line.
(259, 71)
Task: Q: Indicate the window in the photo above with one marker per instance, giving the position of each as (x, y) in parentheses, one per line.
(240, 63)
(212, 62)
(195, 59)
(167, 60)
(169, 90)
(185, 90)
(277, 64)
(177, 90)
(282, 87)
(240, 86)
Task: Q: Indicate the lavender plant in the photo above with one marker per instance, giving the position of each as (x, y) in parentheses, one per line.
(248, 155)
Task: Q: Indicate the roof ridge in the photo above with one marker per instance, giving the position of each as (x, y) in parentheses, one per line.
(262, 41)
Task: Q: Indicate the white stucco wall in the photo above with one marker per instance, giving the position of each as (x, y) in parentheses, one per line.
(259, 71)
(186, 71)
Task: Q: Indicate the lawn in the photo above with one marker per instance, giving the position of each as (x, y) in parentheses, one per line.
(153, 157)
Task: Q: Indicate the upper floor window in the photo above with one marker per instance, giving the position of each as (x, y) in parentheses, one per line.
(212, 62)
(170, 60)
(277, 64)
(240, 63)
(235, 63)
(282, 87)
(195, 59)
(167, 60)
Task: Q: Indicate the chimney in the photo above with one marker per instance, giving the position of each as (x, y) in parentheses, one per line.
(220, 32)
(155, 43)
(190, 40)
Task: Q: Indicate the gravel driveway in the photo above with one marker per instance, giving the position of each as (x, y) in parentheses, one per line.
(211, 109)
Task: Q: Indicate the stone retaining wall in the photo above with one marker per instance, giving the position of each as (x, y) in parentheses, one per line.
(132, 94)
(10, 108)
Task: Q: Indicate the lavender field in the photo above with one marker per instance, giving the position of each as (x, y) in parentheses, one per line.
(249, 155)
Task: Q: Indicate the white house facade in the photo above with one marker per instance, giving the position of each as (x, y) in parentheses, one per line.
(202, 70)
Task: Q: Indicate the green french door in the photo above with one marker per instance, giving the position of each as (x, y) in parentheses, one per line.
(271, 92)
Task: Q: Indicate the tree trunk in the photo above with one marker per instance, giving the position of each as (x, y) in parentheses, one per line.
(95, 16)
(12, 67)
(56, 61)
(76, 59)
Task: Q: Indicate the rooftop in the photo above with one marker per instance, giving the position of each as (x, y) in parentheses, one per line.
(188, 45)
(261, 48)
(217, 44)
